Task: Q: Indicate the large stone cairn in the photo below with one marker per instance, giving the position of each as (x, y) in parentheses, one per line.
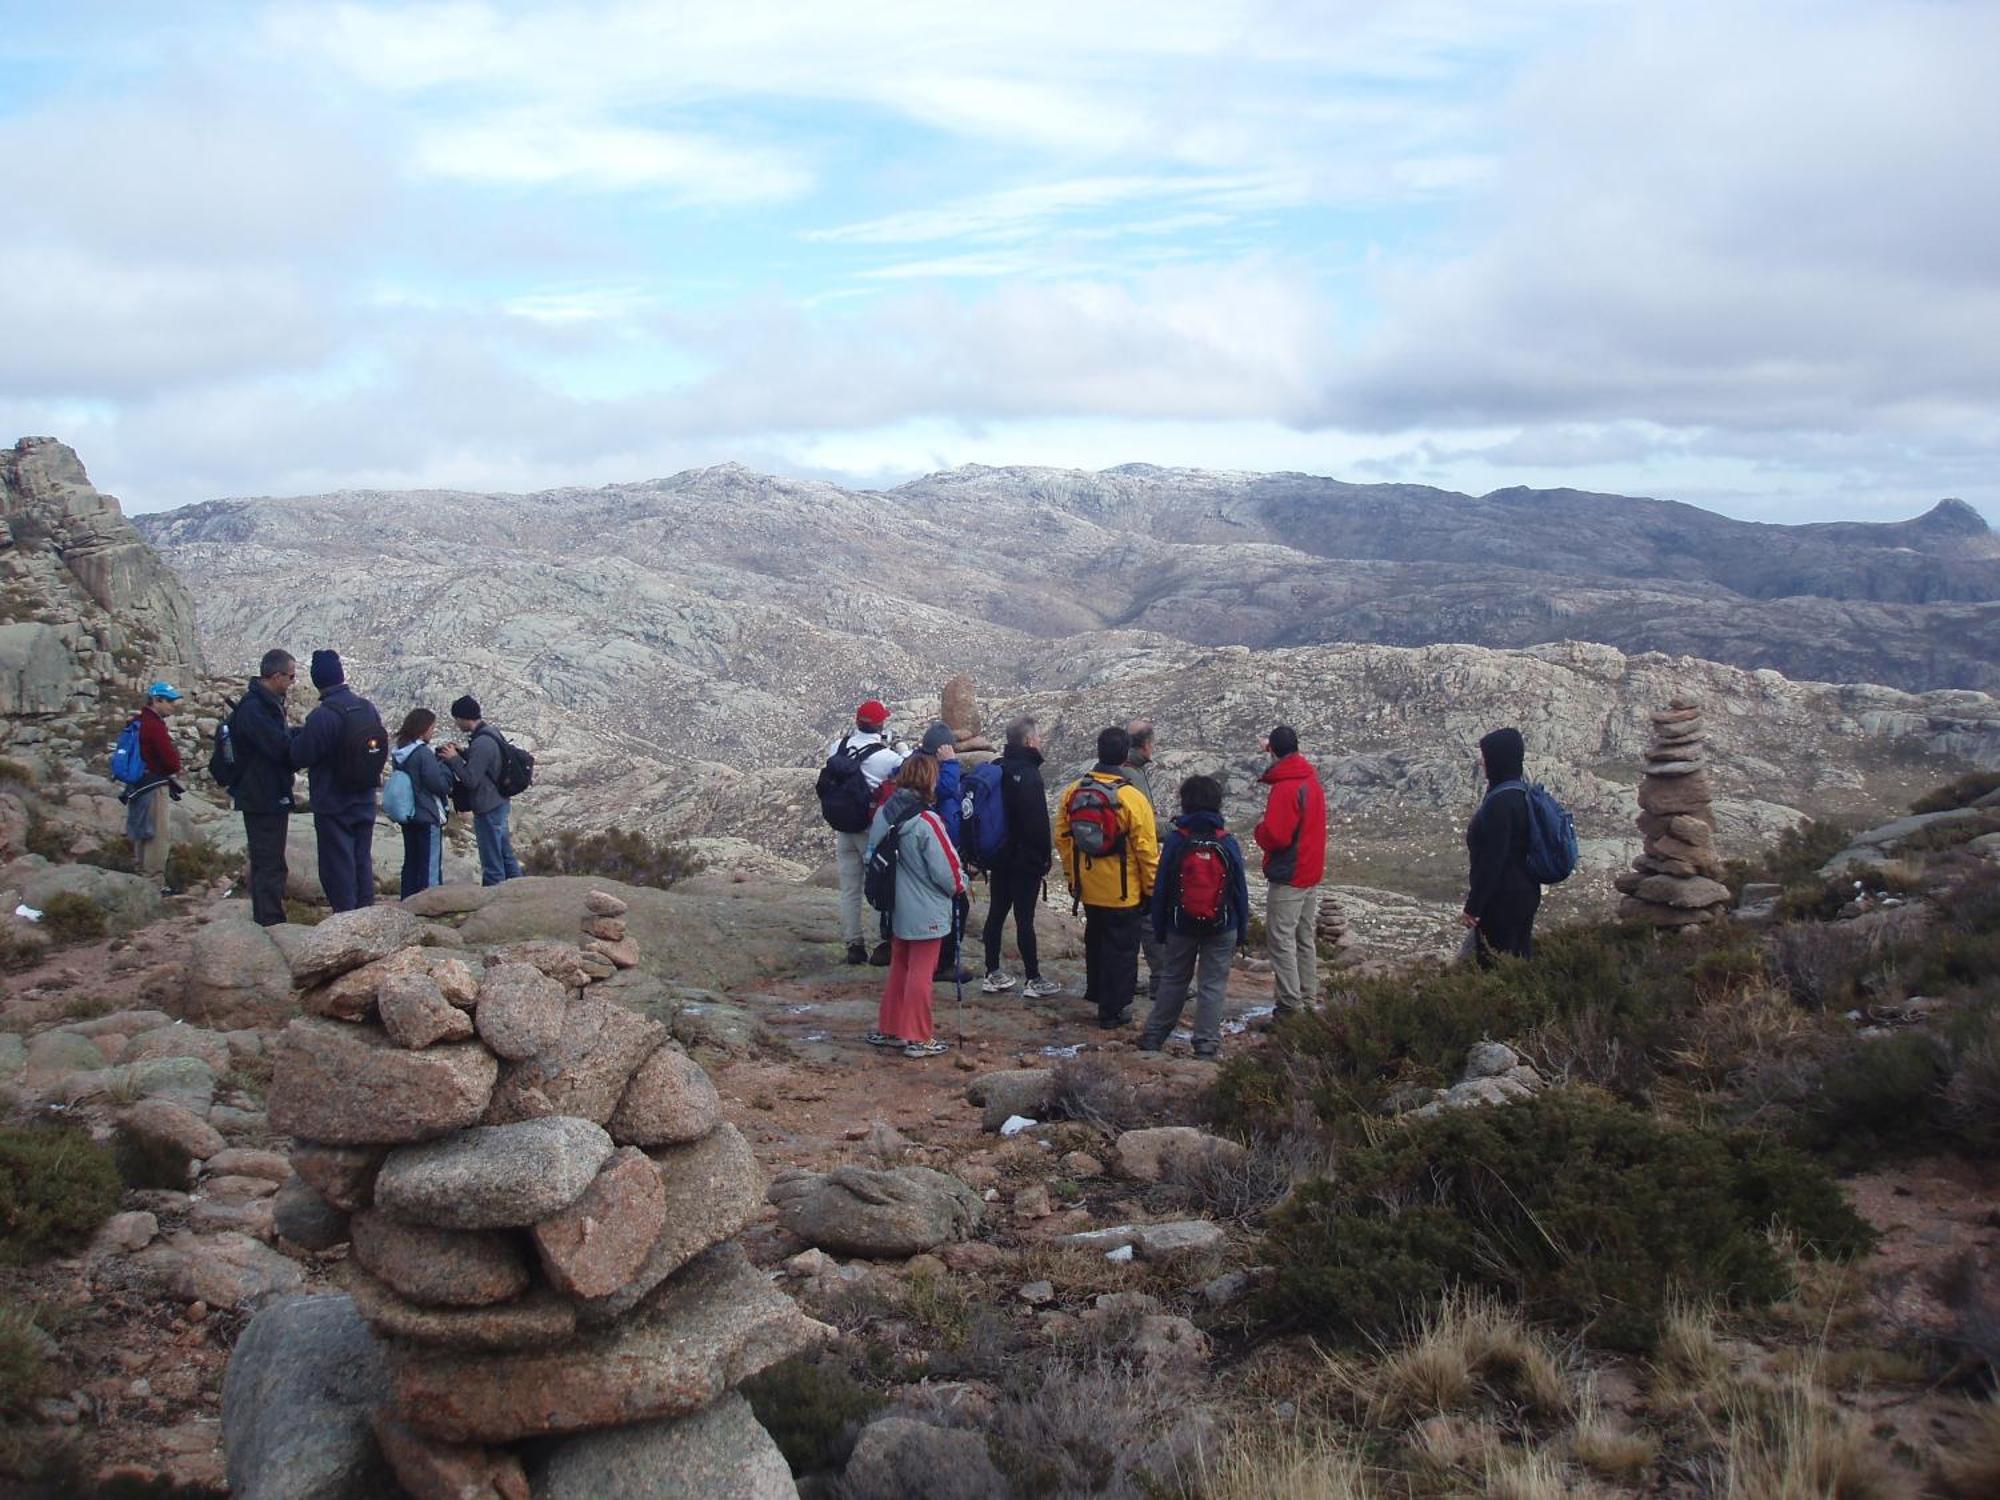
(958, 707)
(540, 1200)
(1676, 881)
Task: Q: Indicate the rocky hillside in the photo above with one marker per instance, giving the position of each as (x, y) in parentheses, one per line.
(1207, 558)
(88, 611)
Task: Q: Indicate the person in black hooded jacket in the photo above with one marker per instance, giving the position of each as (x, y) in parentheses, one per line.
(1016, 877)
(1502, 896)
(264, 783)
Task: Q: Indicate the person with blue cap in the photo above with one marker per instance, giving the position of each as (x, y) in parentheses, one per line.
(147, 821)
(342, 748)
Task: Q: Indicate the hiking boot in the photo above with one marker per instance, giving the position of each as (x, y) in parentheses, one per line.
(857, 953)
(997, 982)
(880, 957)
(1113, 1023)
(882, 1039)
(1035, 989)
(932, 1048)
(947, 976)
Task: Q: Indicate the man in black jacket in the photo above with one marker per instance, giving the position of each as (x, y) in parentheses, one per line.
(1016, 875)
(1502, 894)
(263, 789)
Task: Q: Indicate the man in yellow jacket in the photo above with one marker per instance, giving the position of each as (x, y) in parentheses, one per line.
(1109, 844)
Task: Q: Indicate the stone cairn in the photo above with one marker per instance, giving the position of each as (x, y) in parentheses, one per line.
(540, 1200)
(1676, 881)
(1332, 934)
(959, 708)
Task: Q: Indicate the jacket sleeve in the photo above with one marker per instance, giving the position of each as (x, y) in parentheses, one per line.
(1489, 839)
(950, 788)
(1239, 891)
(255, 733)
(1280, 823)
(1065, 846)
(1163, 899)
(1145, 838)
(941, 860)
(315, 740)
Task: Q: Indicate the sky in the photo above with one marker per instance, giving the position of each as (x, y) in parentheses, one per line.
(1742, 254)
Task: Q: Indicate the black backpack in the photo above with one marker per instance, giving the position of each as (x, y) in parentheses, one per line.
(363, 749)
(517, 766)
(878, 881)
(225, 766)
(846, 800)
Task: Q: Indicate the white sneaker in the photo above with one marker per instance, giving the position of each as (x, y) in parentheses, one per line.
(997, 981)
(1035, 989)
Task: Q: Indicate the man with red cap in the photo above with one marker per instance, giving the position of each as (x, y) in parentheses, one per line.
(857, 764)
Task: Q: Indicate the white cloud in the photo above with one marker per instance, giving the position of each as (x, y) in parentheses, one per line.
(535, 149)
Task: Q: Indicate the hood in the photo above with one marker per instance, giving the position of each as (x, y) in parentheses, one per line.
(403, 752)
(1504, 752)
(1294, 767)
(902, 803)
(1201, 822)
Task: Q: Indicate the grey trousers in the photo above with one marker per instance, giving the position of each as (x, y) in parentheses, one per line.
(1291, 915)
(851, 851)
(1204, 961)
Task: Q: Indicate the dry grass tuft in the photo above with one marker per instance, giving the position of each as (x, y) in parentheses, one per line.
(1692, 1363)
(1531, 1475)
(1281, 1465)
(1971, 1471)
(1606, 1448)
(1787, 1442)
(1467, 1348)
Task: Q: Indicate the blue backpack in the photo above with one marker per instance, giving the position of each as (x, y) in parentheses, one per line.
(127, 764)
(982, 818)
(1551, 834)
(399, 796)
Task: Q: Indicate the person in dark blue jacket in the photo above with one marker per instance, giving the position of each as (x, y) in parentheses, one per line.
(343, 799)
(263, 789)
(1197, 942)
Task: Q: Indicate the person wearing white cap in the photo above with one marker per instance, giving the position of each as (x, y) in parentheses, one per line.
(147, 822)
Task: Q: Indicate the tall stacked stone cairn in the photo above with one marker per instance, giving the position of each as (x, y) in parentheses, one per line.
(959, 708)
(1676, 881)
(1332, 934)
(540, 1200)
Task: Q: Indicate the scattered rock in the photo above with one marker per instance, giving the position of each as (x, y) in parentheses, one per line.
(897, 1458)
(212, 1047)
(295, 1403)
(346, 940)
(1037, 1293)
(1153, 1154)
(1029, 1092)
(1169, 1346)
(1152, 1241)
(1490, 1060)
(169, 1140)
(856, 1211)
(351, 1086)
(493, 1176)
(239, 1161)
(236, 976)
(222, 1270)
(123, 1233)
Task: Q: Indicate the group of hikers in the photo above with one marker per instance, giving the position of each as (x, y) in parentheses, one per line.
(345, 751)
(912, 828)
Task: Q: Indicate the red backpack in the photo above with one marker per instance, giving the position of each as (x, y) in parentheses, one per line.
(1096, 830)
(1201, 892)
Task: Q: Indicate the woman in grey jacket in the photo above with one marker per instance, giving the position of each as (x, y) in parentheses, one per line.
(423, 835)
(929, 882)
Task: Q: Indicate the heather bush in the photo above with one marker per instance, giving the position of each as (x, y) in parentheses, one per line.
(620, 854)
(71, 917)
(56, 1186)
(1961, 793)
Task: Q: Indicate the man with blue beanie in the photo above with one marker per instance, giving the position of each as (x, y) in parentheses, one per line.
(342, 748)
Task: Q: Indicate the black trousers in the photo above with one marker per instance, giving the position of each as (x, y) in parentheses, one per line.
(264, 834)
(1017, 892)
(346, 862)
(1111, 959)
(1509, 925)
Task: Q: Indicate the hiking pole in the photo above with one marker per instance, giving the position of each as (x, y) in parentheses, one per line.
(958, 916)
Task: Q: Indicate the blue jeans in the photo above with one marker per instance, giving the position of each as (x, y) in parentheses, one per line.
(346, 861)
(496, 847)
(423, 857)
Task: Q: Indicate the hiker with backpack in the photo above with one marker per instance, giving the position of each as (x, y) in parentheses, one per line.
(1519, 840)
(914, 878)
(259, 780)
(941, 743)
(1110, 850)
(148, 763)
(418, 798)
(342, 748)
(855, 767)
(1009, 838)
(1292, 834)
(1200, 916)
(490, 772)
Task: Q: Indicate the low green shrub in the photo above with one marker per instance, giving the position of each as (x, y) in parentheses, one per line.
(1590, 1214)
(620, 854)
(23, 1366)
(1795, 858)
(193, 862)
(56, 1186)
(72, 917)
(1961, 793)
(45, 838)
(1879, 1095)
(814, 1407)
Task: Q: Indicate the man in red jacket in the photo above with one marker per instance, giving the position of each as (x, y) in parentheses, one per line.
(148, 819)
(1292, 835)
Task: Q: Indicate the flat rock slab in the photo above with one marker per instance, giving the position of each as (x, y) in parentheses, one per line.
(186, 1081)
(493, 1176)
(440, 1267)
(669, 1102)
(351, 1086)
(223, 1270)
(858, 1211)
(295, 1405)
(540, 1320)
(585, 1072)
(719, 1453)
(520, 1010)
(599, 1242)
(710, 1328)
(346, 940)
(1689, 894)
(711, 1189)
(1152, 1241)
(212, 1047)
(1171, 1150)
(452, 900)
(351, 996)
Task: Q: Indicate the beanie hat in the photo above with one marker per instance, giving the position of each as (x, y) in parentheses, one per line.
(327, 671)
(466, 707)
(1284, 740)
(872, 715)
(937, 737)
